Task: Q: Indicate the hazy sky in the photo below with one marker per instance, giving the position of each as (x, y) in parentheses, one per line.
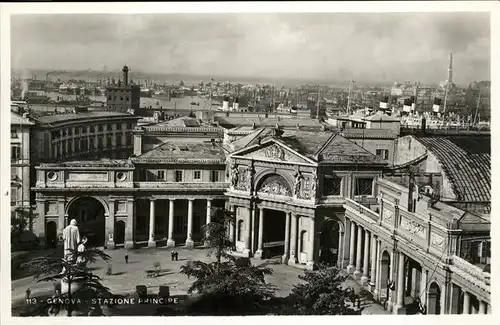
(373, 46)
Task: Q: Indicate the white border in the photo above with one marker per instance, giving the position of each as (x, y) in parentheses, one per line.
(248, 7)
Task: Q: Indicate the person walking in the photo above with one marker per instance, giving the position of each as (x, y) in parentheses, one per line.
(28, 294)
(176, 256)
(172, 255)
(126, 258)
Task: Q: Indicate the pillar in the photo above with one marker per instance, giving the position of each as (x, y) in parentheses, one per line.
(340, 250)
(110, 226)
(423, 287)
(352, 233)
(401, 284)
(209, 216)
(170, 240)
(366, 267)
(60, 220)
(359, 254)
(415, 282)
(248, 232)
(310, 247)
(189, 238)
(373, 273)
(482, 307)
(151, 241)
(286, 252)
(232, 225)
(260, 243)
(378, 273)
(252, 231)
(130, 227)
(40, 222)
(466, 310)
(293, 240)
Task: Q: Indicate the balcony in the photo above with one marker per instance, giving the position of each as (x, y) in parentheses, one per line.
(472, 270)
(200, 186)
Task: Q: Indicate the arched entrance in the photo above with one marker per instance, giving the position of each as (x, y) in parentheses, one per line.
(89, 215)
(329, 242)
(434, 300)
(385, 273)
(120, 232)
(51, 234)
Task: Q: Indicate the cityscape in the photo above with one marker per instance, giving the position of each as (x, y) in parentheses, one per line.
(292, 176)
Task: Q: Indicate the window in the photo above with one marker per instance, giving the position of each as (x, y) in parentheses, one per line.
(65, 132)
(240, 230)
(83, 144)
(83, 129)
(364, 186)
(91, 144)
(160, 175)
(119, 140)
(109, 97)
(13, 134)
(383, 153)
(55, 135)
(77, 146)
(77, 130)
(118, 126)
(121, 98)
(70, 131)
(129, 126)
(100, 142)
(92, 129)
(110, 127)
(214, 176)
(126, 98)
(100, 128)
(332, 185)
(197, 174)
(129, 139)
(109, 141)
(15, 152)
(178, 175)
(70, 147)
(13, 196)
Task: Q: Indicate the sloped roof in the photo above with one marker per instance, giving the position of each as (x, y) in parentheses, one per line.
(354, 133)
(466, 161)
(341, 150)
(17, 119)
(183, 121)
(77, 116)
(184, 150)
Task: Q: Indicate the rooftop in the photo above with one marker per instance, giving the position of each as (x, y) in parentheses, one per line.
(262, 121)
(184, 149)
(466, 161)
(57, 118)
(183, 121)
(16, 119)
(352, 133)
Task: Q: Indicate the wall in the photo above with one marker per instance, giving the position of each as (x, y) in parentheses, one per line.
(373, 144)
(21, 167)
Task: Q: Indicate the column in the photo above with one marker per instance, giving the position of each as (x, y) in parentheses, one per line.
(252, 232)
(130, 227)
(260, 243)
(189, 238)
(466, 310)
(293, 240)
(286, 252)
(40, 223)
(423, 287)
(60, 220)
(373, 274)
(378, 273)
(232, 225)
(310, 248)
(401, 283)
(352, 235)
(340, 250)
(359, 254)
(482, 307)
(248, 232)
(110, 226)
(170, 240)
(366, 267)
(209, 216)
(151, 241)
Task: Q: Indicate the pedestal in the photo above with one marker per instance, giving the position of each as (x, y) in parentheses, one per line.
(246, 253)
(399, 310)
(111, 244)
(259, 254)
(310, 265)
(170, 243)
(350, 269)
(364, 280)
(129, 244)
(292, 260)
(284, 259)
(189, 243)
(151, 244)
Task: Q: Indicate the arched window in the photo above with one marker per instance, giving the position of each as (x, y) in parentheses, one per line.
(303, 239)
(240, 230)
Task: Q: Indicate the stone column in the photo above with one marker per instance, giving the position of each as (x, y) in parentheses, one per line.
(466, 310)
(130, 227)
(170, 240)
(60, 220)
(209, 215)
(482, 307)
(359, 255)
(260, 243)
(373, 273)
(310, 248)
(423, 287)
(378, 273)
(110, 226)
(233, 224)
(284, 258)
(189, 238)
(40, 223)
(252, 231)
(352, 233)
(248, 233)
(401, 283)
(151, 241)
(293, 240)
(366, 267)
(340, 250)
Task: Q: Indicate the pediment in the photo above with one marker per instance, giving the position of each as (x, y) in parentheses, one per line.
(273, 151)
(341, 150)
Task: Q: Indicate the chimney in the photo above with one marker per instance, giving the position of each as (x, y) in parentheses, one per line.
(253, 125)
(125, 75)
(423, 124)
(225, 103)
(437, 105)
(384, 103)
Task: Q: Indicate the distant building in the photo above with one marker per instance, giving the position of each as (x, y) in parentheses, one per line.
(123, 97)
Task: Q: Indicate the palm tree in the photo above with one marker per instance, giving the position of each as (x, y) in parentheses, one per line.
(74, 270)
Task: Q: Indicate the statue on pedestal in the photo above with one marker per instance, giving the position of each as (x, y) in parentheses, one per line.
(71, 237)
(234, 175)
(298, 183)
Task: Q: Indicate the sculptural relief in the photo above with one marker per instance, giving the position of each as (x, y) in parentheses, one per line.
(298, 183)
(275, 152)
(274, 188)
(437, 240)
(387, 215)
(413, 227)
(314, 183)
(234, 175)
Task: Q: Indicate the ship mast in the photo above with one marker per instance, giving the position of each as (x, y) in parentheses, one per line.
(477, 106)
(317, 103)
(349, 97)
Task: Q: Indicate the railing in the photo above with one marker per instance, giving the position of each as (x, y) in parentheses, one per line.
(183, 185)
(362, 209)
(471, 269)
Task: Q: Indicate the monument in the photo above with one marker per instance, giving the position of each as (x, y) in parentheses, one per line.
(72, 244)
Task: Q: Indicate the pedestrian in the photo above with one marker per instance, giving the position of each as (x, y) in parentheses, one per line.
(28, 293)
(172, 255)
(126, 258)
(176, 256)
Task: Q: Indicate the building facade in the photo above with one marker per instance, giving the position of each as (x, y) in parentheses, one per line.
(123, 97)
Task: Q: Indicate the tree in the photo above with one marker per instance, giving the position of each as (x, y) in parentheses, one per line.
(217, 233)
(321, 294)
(72, 268)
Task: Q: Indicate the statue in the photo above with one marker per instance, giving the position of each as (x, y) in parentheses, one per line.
(81, 249)
(71, 237)
(298, 183)
(314, 181)
(234, 175)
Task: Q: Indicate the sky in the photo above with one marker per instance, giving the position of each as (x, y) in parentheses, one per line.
(328, 46)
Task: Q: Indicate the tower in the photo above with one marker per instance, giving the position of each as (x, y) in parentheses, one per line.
(450, 70)
(125, 75)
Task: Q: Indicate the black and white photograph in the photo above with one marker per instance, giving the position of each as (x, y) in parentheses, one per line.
(247, 163)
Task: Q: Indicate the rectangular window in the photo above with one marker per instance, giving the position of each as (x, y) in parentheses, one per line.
(332, 185)
(110, 127)
(178, 176)
(109, 142)
(100, 142)
(83, 129)
(13, 133)
(197, 175)
(364, 186)
(214, 176)
(119, 140)
(15, 152)
(118, 126)
(382, 153)
(55, 135)
(129, 126)
(160, 175)
(70, 131)
(100, 127)
(70, 147)
(77, 130)
(91, 144)
(13, 196)
(129, 139)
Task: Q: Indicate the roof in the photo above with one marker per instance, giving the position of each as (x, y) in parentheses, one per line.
(381, 117)
(261, 121)
(182, 149)
(466, 161)
(17, 119)
(354, 133)
(56, 118)
(183, 121)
